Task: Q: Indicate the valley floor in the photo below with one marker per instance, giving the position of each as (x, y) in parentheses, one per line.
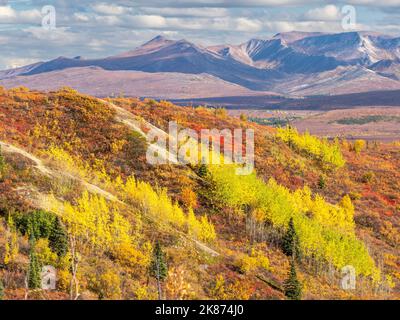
(368, 123)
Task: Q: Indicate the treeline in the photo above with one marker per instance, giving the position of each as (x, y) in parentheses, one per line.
(328, 153)
(326, 232)
(77, 229)
(153, 202)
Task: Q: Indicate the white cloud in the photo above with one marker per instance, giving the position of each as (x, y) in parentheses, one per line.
(11, 63)
(109, 21)
(191, 12)
(29, 16)
(58, 35)
(10, 15)
(6, 12)
(217, 3)
(327, 13)
(382, 3)
(109, 9)
(201, 24)
(306, 26)
(247, 25)
(263, 2)
(81, 17)
(148, 21)
(97, 45)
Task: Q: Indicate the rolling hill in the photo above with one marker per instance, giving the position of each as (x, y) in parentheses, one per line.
(76, 192)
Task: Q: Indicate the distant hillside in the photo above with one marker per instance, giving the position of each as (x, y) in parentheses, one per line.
(318, 102)
(161, 85)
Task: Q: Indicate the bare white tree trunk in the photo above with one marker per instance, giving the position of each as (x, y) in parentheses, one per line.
(158, 281)
(74, 286)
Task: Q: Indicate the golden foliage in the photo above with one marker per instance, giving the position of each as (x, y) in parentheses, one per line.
(159, 205)
(44, 254)
(249, 263)
(177, 287)
(201, 229)
(359, 145)
(391, 233)
(326, 231)
(189, 198)
(12, 246)
(324, 151)
(128, 255)
(107, 284)
(238, 290)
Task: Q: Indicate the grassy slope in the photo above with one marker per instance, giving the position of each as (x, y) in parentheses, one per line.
(87, 128)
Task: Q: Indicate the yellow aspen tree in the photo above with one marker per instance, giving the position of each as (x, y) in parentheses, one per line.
(11, 247)
(92, 224)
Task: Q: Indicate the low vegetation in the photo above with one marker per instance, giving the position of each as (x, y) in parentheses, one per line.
(367, 119)
(92, 207)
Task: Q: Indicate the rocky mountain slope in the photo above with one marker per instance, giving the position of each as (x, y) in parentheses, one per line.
(274, 65)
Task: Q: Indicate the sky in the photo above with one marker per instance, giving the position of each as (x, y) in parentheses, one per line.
(39, 30)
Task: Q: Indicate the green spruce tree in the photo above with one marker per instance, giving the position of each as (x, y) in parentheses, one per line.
(158, 267)
(34, 279)
(58, 241)
(202, 170)
(292, 285)
(290, 242)
(322, 182)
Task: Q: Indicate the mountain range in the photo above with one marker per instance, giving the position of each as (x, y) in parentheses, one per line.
(293, 64)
